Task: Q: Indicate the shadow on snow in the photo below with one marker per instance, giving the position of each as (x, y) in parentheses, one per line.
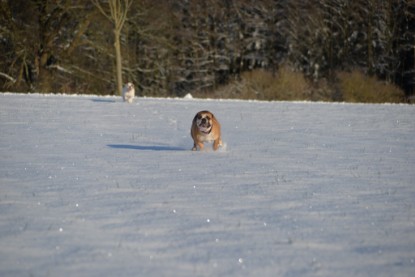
(146, 148)
(100, 100)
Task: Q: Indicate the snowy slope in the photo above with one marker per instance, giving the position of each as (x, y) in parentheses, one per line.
(92, 186)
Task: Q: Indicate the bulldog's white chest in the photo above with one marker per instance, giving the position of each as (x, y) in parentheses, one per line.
(206, 137)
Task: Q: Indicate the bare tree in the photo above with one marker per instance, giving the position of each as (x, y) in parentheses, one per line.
(118, 10)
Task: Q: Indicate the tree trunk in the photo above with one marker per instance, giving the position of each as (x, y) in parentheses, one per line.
(118, 16)
(118, 59)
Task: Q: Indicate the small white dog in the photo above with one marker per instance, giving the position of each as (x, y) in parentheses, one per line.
(128, 92)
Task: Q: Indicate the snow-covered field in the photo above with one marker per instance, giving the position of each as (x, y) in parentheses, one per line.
(92, 186)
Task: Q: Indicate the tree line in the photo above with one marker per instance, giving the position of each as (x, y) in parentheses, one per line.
(170, 48)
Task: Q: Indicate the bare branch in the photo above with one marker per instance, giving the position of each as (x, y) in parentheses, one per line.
(8, 77)
(98, 5)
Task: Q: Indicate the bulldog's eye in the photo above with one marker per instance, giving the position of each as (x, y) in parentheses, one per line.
(207, 117)
(199, 117)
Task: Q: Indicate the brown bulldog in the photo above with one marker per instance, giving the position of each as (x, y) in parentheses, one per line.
(205, 128)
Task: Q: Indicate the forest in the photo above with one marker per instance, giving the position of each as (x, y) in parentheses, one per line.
(329, 50)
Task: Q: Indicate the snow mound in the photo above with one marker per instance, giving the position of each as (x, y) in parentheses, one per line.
(188, 96)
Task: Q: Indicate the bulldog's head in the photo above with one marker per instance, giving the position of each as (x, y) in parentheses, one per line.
(204, 121)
